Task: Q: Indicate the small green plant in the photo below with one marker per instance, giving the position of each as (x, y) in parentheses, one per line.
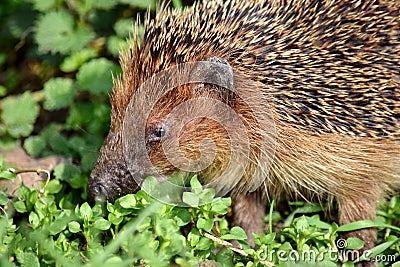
(57, 231)
(70, 50)
(5, 172)
(52, 229)
(57, 60)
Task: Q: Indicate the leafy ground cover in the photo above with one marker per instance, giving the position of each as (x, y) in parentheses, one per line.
(57, 58)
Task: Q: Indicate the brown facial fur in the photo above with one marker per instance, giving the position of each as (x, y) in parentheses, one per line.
(329, 71)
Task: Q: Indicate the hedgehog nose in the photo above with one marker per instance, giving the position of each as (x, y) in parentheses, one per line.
(96, 190)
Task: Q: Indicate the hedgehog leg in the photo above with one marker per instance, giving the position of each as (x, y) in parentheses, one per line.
(249, 212)
(354, 208)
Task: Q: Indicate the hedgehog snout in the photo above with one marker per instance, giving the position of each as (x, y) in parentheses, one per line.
(110, 180)
(96, 190)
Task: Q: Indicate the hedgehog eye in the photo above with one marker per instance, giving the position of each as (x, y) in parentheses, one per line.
(157, 133)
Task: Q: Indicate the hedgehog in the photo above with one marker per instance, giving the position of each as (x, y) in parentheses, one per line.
(323, 75)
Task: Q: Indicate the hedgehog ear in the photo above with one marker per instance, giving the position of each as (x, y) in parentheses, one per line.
(217, 72)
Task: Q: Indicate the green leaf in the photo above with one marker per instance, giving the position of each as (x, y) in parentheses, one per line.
(3, 90)
(93, 117)
(177, 3)
(348, 264)
(114, 219)
(19, 114)
(317, 222)
(239, 232)
(3, 198)
(3, 163)
(51, 130)
(61, 222)
(191, 199)
(97, 210)
(34, 145)
(286, 247)
(150, 184)
(219, 207)
(65, 171)
(205, 224)
(236, 233)
(28, 259)
(6, 142)
(182, 217)
(95, 76)
(3, 59)
(204, 244)
(88, 160)
(16, 21)
(53, 187)
(43, 5)
(115, 44)
(307, 208)
(55, 32)
(77, 59)
(20, 206)
(86, 211)
(33, 197)
(365, 224)
(301, 224)
(266, 239)
(354, 243)
(74, 227)
(379, 249)
(58, 93)
(123, 27)
(114, 261)
(128, 201)
(102, 224)
(7, 175)
(34, 220)
(206, 195)
(195, 185)
(59, 144)
(194, 237)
